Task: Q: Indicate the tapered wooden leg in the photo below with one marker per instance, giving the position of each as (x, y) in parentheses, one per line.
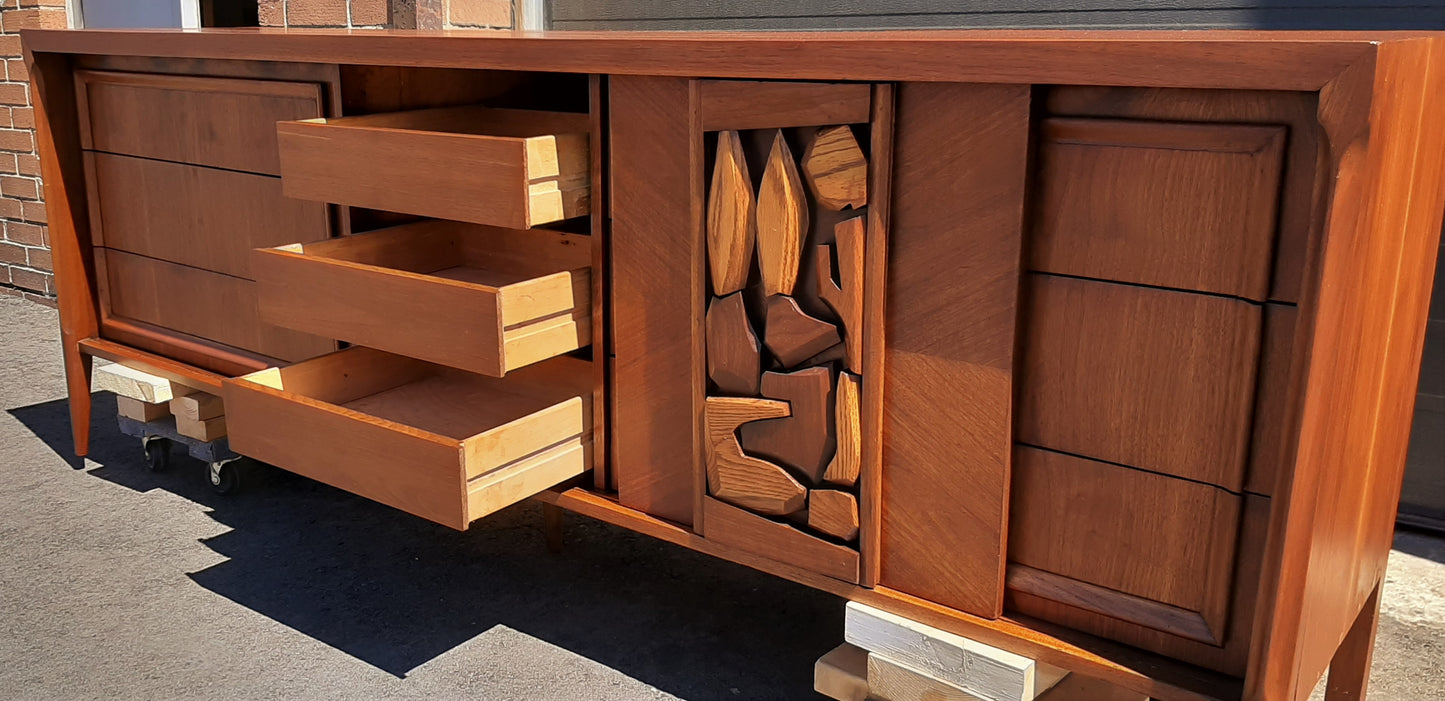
(77, 382)
(1350, 669)
(552, 527)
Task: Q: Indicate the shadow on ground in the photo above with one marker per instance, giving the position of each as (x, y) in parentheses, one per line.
(396, 591)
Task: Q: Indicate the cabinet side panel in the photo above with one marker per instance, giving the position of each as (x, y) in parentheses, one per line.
(656, 244)
(960, 158)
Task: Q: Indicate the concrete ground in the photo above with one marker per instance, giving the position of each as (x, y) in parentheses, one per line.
(118, 583)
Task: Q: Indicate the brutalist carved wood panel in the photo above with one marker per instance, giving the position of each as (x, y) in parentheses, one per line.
(785, 227)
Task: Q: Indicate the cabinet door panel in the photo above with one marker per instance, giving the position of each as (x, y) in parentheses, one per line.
(953, 277)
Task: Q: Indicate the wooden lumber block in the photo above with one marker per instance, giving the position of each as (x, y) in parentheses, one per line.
(892, 681)
(197, 406)
(1079, 688)
(836, 169)
(845, 297)
(842, 674)
(804, 439)
(202, 430)
(833, 512)
(130, 382)
(982, 670)
(791, 335)
(741, 479)
(733, 353)
(137, 410)
(731, 217)
(782, 220)
(848, 457)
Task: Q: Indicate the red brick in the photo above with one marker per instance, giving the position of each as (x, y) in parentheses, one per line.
(15, 68)
(14, 94)
(8, 164)
(39, 18)
(12, 253)
(27, 234)
(15, 186)
(369, 13)
(5, 280)
(33, 212)
(10, 45)
(272, 13)
(480, 13)
(27, 164)
(21, 140)
(45, 299)
(23, 117)
(316, 13)
(11, 209)
(33, 280)
(39, 3)
(40, 259)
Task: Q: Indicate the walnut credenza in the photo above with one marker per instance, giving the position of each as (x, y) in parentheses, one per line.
(1097, 347)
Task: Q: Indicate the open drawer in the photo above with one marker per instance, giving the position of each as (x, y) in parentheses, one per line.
(477, 298)
(514, 168)
(433, 441)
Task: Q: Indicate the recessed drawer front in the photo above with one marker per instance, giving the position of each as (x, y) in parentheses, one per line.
(439, 443)
(512, 168)
(1187, 206)
(192, 215)
(1134, 556)
(1163, 548)
(220, 122)
(478, 298)
(205, 304)
(1155, 379)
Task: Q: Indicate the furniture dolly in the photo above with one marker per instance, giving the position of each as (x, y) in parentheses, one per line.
(1098, 348)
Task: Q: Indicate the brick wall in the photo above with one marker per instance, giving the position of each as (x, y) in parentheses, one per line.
(24, 251)
(401, 14)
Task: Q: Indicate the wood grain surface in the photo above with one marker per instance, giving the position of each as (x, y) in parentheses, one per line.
(744, 480)
(209, 305)
(732, 222)
(177, 118)
(951, 307)
(733, 352)
(782, 219)
(1304, 176)
(751, 104)
(1151, 537)
(657, 289)
(1188, 206)
(196, 216)
(733, 527)
(1176, 369)
(804, 439)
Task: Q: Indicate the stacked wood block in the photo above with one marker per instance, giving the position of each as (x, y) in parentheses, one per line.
(200, 416)
(891, 658)
(784, 325)
(141, 396)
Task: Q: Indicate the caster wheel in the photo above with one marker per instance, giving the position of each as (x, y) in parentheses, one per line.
(158, 454)
(225, 477)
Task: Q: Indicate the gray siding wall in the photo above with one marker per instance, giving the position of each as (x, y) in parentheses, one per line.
(1054, 14)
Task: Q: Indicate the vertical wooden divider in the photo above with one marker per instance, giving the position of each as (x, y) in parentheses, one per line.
(597, 112)
(875, 292)
(961, 156)
(697, 183)
(657, 292)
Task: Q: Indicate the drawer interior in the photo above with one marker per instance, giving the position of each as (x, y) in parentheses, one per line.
(450, 403)
(437, 442)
